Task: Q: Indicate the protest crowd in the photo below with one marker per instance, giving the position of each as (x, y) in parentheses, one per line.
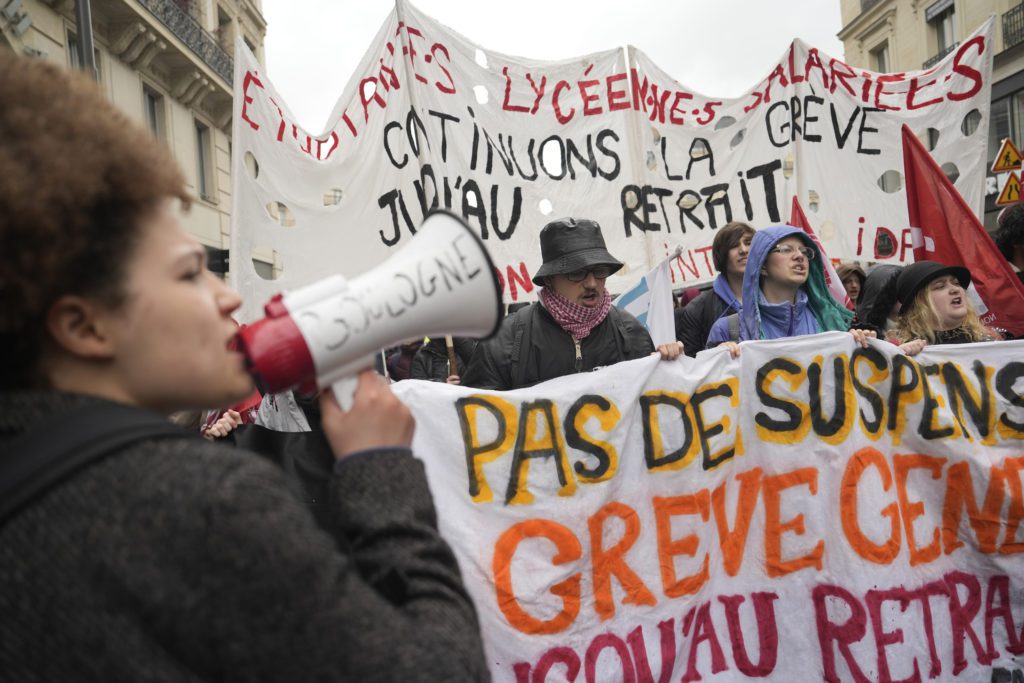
(145, 551)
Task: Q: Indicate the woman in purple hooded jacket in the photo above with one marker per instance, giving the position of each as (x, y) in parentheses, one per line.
(784, 292)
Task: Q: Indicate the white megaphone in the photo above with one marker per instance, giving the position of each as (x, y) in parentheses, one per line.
(442, 283)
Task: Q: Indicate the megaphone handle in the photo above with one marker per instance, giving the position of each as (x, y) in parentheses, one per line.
(344, 391)
(344, 386)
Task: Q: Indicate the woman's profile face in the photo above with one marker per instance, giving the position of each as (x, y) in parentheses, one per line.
(171, 335)
(949, 301)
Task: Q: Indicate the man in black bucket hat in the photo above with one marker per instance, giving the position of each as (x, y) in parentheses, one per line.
(573, 327)
(570, 244)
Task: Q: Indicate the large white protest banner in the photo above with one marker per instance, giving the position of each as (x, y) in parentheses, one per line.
(430, 118)
(810, 511)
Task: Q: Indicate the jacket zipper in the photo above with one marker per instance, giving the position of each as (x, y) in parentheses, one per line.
(579, 355)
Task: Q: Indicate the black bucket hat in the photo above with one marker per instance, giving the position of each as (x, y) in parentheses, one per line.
(917, 275)
(571, 244)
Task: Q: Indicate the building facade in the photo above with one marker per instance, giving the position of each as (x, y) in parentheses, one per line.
(907, 35)
(169, 65)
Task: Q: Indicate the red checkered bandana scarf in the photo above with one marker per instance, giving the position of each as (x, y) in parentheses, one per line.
(575, 319)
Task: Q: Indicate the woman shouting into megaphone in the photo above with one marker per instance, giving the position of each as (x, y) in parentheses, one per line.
(130, 550)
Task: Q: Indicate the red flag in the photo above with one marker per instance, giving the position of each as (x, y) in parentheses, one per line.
(946, 230)
(798, 219)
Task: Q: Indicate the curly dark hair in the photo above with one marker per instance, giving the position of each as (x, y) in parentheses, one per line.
(77, 180)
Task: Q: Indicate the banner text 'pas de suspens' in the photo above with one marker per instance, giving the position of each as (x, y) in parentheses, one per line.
(797, 514)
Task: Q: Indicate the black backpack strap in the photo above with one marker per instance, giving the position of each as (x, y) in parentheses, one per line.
(734, 327)
(39, 459)
(522, 324)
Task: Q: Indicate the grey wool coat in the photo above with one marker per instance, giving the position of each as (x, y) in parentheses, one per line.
(185, 560)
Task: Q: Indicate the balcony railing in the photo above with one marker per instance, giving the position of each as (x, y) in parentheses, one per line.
(1013, 27)
(935, 59)
(198, 39)
(865, 5)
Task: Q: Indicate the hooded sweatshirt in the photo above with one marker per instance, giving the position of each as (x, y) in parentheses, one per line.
(815, 310)
(877, 296)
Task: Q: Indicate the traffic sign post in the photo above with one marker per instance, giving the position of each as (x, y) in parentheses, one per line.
(1010, 193)
(1008, 158)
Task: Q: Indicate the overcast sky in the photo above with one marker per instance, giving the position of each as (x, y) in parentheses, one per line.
(715, 47)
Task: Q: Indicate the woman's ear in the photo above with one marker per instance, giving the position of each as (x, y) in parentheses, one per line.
(77, 326)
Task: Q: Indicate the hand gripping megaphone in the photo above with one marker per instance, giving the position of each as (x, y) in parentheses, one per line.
(442, 283)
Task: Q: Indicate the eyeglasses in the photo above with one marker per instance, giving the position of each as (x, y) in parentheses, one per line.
(788, 250)
(599, 272)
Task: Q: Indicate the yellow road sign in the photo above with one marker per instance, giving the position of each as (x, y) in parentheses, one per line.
(1011, 190)
(1008, 158)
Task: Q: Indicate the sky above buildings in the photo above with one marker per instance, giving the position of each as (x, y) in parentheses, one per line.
(714, 47)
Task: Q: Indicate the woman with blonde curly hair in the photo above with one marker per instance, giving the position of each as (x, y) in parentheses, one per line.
(936, 308)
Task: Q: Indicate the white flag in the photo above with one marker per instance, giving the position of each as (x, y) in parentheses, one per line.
(650, 300)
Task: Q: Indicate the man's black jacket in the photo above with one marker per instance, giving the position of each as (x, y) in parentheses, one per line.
(530, 347)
